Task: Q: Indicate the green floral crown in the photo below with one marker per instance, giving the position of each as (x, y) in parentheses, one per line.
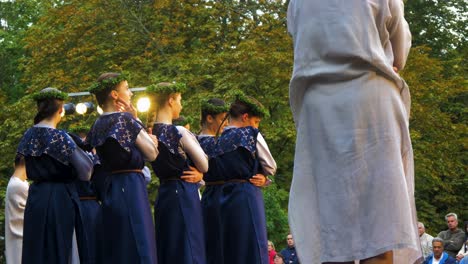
(213, 109)
(50, 93)
(109, 83)
(166, 88)
(257, 109)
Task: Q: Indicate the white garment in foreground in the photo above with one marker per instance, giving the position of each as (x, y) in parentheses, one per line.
(352, 195)
(15, 202)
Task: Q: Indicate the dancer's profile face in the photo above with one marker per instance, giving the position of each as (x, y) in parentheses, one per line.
(176, 104)
(253, 121)
(124, 92)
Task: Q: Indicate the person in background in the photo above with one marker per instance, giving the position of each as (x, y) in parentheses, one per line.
(89, 228)
(182, 121)
(271, 251)
(289, 253)
(464, 249)
(15, 202)
(439, 256)
(425, 240)
(453, 237)
(278, 259)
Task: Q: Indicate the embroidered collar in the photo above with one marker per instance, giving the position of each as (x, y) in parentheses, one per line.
(40, 140)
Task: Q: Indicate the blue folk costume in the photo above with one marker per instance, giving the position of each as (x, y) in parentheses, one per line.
(177, 210)
(211, 203)
(241, 207)
(128, 229)
(53, 163)
(88, 231)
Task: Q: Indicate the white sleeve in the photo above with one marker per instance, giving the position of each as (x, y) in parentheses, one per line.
(399, 33)
(193, 149)
(82, 164)
(16, 197)
(146, 145)
(266, 159)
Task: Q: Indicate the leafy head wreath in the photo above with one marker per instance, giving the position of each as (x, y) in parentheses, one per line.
(166, 88)
(108, 83)
(213, 109)
(50, 93)
(256, 108)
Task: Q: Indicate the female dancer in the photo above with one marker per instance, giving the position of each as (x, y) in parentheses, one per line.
(213, 121)
(178, 217)
(53, 162)
(123, 146)
(243, 158)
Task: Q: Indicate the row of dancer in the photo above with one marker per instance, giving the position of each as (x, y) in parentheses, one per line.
(108, 220)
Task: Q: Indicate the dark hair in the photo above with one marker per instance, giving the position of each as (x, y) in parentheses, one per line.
(238, 108)
(101, 95)
(181, 121)
(46, 108)
(206, 112)
(19, 160)
(279, 255)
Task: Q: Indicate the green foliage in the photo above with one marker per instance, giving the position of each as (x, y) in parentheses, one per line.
(276, 200)
(438, 142)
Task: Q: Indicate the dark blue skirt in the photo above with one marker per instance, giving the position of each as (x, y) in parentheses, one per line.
(128, 230)
(88, 231)
(49, 220)
(244, 224)
(211, 204)
(179, 224)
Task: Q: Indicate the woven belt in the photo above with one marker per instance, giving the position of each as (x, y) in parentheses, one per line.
(223, 182)
(126, 171)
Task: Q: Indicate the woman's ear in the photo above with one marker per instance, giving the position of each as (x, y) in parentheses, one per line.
(245, 117)
(171, 101)
(209, 119)
(114, 94)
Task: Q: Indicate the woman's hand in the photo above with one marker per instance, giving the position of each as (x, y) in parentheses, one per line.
(258, 180)
(193, 175)
(123, 106)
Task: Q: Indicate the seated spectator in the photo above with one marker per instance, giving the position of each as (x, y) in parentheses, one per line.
(464, 249)
(439, 256)
(278, 259)
(289, 253)
(453, 237)
(271, 251)
(425, 239)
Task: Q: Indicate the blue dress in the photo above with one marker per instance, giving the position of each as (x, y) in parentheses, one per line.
(51, 209)
(89, 228)
(211, 203)
(242, 211)
(128, 230)
(177, 210)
